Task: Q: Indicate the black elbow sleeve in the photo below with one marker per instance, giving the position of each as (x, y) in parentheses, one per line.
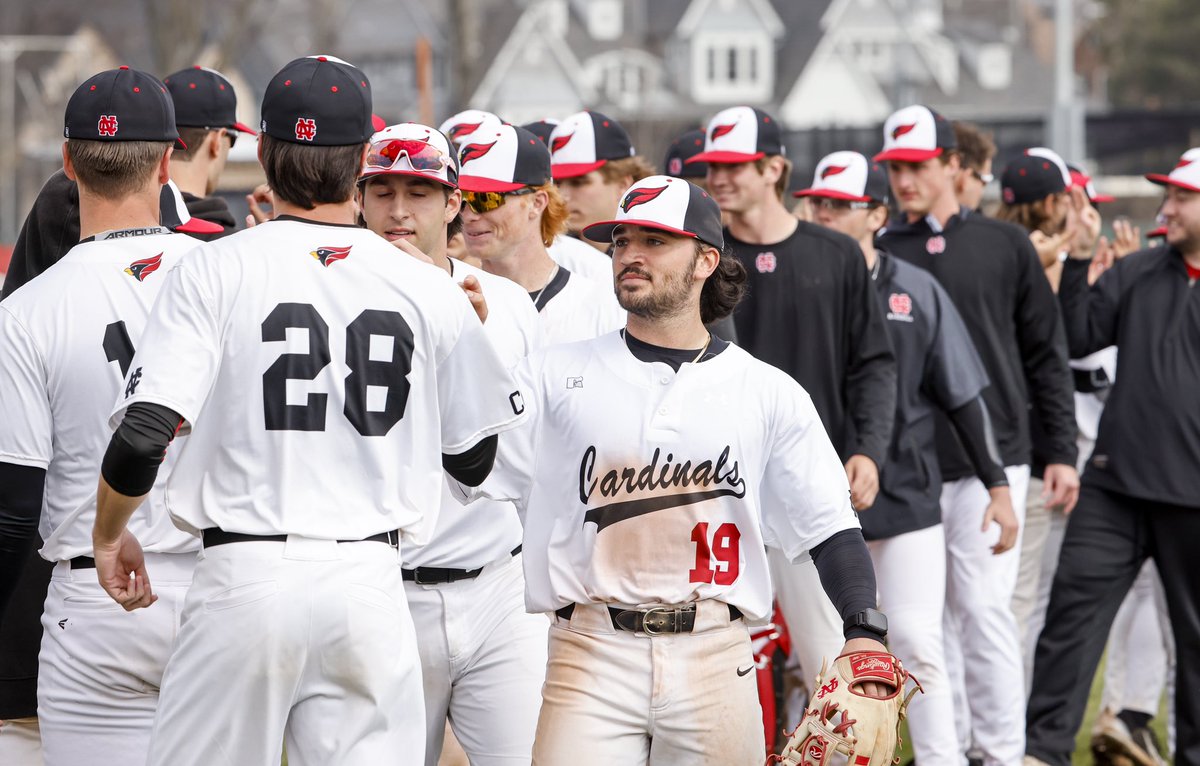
(848, 576)
(137, 448)
(474, 465)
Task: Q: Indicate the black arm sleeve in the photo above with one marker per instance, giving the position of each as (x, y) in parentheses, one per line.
(21, 490)
(974, 429)
(848, 576)
(474, 465)
(871, 366)
(138, 447)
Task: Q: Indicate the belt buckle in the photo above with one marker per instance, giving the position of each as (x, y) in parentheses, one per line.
(665, 612)
(419, 580)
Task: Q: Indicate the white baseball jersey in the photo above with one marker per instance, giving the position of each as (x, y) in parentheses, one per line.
(320, 374)
(644, 486)
(68, 338)
(581, 258)
(468, 537)
(574, 308)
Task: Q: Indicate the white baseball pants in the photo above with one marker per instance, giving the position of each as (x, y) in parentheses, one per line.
(983, 647)
(100, 667)
(814, 623)
(910, 570)
(483, 660)
(616, 697)
(20, 742)
(1141, 651)
(308, 642)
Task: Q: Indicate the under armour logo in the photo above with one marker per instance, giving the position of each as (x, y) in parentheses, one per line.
(575, 382)
(828, 688)
(306, 129)
(107, 126)
(135, 377)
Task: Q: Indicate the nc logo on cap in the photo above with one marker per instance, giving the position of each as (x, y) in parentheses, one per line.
(641, 197)
(306, 129)
(107, 126)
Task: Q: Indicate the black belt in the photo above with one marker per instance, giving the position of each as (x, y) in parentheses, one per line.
(1091, 381)
(439, 575)
(214, 536)
(653, 622)
(83, 562)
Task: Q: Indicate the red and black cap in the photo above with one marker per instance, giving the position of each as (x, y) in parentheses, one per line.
(585, 141)
(504, 159)
(1035, 175)
(683, 149)
(542, 129)
(459, 127)
(915, 134)
(318, 101)
(204, 98)
(740, 134)
(1084, 181)
(1185, 174)
(173, 213)
(121, 104)
(849, 176)
(669, 204)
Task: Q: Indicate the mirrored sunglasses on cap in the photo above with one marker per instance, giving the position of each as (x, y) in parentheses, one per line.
(422, 157)
(485, 202)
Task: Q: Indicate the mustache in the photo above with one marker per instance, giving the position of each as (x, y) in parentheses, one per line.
(633, 270)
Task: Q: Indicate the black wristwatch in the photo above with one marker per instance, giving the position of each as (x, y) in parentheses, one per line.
(869, 619)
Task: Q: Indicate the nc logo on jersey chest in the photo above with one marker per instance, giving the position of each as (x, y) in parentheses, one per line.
(900, 307)
(765, 263)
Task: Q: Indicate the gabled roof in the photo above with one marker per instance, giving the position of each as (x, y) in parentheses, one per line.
(762, 10)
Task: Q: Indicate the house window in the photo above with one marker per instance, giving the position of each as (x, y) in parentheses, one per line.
(727, 68)
(712, 64)
(754, 64)
(733, 58)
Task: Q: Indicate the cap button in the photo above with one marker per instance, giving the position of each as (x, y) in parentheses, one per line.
(196, 66)
(122, 67)
(321, 58)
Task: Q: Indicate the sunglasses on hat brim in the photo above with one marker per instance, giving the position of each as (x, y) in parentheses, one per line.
(421, 156)
(485, 202)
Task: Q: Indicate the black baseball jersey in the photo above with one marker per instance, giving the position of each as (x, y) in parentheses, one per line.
(938, 370)
(1148, 446)
(992, 272)
(811, 311)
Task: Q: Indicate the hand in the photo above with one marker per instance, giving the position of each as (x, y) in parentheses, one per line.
(1061, 484)
(256, 200)
(474, 292)
(1127, 238)
(413, 250)
(1087, 224)
(1102, 261)
(864, 481)
(1000, 511)
(121, 569)
(869, 688)
(1049, 247)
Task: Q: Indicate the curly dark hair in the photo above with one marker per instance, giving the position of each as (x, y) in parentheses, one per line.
(724, 288)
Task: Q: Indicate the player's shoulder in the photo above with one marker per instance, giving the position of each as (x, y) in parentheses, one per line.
(979, 224)
(808, 233)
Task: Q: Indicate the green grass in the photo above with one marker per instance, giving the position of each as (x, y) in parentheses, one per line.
(1083, 750)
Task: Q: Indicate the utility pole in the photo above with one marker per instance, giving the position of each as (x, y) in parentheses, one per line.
(1066, 125)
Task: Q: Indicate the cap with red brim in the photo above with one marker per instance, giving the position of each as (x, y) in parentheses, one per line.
(908, 155)
(1185, 174)
(1166, 180)
(725, 158)
(563, 171)
(502, 159)
(668, 204)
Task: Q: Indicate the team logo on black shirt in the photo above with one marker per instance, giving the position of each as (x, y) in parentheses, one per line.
(900, 307)
(935, 245)
(765, 263)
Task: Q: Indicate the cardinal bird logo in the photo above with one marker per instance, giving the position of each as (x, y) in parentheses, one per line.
(900, 130)
(641, 197)
(559, 142)
(329, 255)
(474, 151)
(721, 130)
(1183, 164)
(833, 170)
(139, 270)
(463, 129)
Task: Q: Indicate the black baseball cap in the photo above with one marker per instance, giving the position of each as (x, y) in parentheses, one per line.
(320, 101)
(683, 149)
(503, 159)
(121, 104)
(740, 134)
(584, 142)
(849, 176)
(669, 204)
(1035, 175)
(542, 129)
(203, 98)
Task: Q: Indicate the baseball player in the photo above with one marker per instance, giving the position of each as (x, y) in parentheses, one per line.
(682, 149)
(593, 162)
(976, 150)
(319, 375)
(483, 657)
(991, 272)
(1138, 499)
(659, 462)
(812, 281)
(67, 340)
(511, 214)
(938, 370)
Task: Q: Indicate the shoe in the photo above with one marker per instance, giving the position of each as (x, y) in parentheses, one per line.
(1114, 743)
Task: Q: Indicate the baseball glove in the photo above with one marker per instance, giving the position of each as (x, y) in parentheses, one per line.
(839, 718)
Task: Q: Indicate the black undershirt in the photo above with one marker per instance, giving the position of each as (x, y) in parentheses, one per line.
(555, 286)
(675, 357)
